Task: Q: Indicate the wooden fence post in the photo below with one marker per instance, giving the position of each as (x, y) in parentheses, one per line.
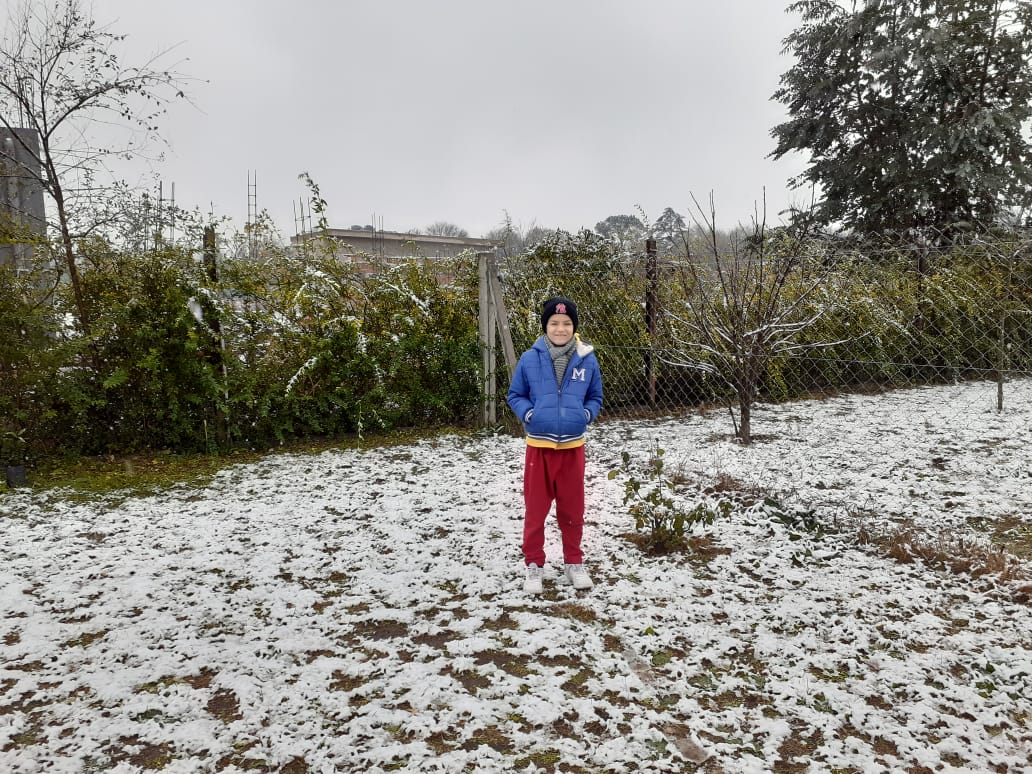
(501, 316)
(493, 320)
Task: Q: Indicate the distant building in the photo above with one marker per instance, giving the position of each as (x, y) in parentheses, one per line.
(22, 214)
(392, 244)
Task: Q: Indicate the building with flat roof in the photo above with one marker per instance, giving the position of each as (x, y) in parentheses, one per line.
(393, 244)
(22, 214)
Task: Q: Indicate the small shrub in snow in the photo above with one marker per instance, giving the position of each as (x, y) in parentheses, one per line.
(661, 521)
(797, 520)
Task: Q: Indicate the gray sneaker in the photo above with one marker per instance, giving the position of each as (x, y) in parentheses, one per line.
(532, 583)
(577, 576)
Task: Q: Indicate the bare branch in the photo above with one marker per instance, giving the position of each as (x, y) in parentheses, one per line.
(744, 306)
(60, 75)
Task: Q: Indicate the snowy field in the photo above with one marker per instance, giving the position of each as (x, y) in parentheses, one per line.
(362, 611)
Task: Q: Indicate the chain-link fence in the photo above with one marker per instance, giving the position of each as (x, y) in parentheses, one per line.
(778, 318)
(727, 356)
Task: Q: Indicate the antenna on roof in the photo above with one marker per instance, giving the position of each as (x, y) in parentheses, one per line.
(302, 224)
(158, 224)
(252, 215)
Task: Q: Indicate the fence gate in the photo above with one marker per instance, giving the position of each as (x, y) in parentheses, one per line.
(494, 325)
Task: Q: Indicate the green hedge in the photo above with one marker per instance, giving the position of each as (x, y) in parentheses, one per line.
(295, 346)
(283, 348)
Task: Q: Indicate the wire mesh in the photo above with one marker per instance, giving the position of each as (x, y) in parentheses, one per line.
(772, 321)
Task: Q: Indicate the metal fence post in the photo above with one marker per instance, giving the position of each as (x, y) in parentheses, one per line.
(651, 295)
(486, 319)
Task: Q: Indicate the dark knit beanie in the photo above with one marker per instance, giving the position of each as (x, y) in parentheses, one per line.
(559, 305)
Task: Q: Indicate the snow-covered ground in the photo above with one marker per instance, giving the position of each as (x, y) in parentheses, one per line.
(362, 610)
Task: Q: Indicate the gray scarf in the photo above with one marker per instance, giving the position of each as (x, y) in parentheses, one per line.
(560, 357)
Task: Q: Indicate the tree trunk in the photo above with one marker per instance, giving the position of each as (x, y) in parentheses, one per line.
(218, 353)
(746, 389)
(73, 274)
(69, 255)
(744, 409)
(748, 379)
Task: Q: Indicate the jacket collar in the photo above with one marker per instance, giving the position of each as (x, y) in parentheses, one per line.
(582, 350)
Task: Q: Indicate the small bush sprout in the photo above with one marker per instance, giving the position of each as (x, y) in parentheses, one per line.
(662, 523)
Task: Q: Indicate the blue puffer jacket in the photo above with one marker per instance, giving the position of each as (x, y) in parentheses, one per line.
(556, 418)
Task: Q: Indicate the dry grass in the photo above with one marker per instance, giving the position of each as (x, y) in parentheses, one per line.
(958, 554)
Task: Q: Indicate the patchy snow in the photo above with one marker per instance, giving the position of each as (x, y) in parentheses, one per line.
(363, 611)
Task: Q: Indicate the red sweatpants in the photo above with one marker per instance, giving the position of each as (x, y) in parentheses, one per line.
(553, 474)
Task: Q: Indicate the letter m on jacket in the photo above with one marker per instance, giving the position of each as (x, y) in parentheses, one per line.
(577, 375)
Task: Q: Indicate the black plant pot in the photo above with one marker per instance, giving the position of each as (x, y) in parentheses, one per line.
(16, 476)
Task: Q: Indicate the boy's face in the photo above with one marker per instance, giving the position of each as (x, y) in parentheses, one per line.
(559, 329)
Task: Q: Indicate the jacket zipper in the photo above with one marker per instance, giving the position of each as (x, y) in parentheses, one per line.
(559, 403)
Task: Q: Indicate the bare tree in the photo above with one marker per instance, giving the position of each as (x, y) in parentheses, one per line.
(446, 229)
(61, 77)
(743, 307)
(517, 239)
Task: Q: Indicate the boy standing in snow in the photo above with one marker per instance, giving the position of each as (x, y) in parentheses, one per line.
(556, 392)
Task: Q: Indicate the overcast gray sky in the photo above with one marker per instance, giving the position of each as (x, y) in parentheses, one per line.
(561, 112)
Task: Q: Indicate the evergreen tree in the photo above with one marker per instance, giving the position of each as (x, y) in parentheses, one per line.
(627, 232)
(671, 231)
(912, 111)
